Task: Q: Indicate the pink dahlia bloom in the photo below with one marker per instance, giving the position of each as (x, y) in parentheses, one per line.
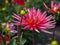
(55, 8)
(35, 20)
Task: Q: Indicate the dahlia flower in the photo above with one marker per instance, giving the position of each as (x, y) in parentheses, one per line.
(9, 27)
(1, 39)
(19, 2)
(55, 8)
(4, 38)
(35, 20)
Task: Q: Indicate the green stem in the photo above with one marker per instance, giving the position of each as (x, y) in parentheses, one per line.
(33, 40)
(53, 35)
(18, 39)
(56, 17)
(19, 31)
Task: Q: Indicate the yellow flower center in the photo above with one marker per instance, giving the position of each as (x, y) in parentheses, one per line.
(6, 1)
(22, 12)
(55, 9)
(3, 9)
(7, 28)
(54, 43)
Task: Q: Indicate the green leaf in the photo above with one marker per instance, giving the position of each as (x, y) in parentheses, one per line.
(22, 40)
(1, 43)
(13, 41)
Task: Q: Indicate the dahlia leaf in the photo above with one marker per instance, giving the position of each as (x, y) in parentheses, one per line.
(22, 40)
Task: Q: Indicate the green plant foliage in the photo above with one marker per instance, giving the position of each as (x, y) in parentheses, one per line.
(22, 40)
(13, 41)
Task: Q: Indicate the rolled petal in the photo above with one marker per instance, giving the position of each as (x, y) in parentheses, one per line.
(52, 4)
(47, 31)
(46, 6)
(43, 16)
(17, 17)
(49, 18)
(38, 12)
(17, 23)
(36, 30)
(26, 27)
(13, 31)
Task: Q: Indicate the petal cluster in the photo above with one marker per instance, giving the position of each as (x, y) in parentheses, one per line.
(55, 8)
(35, 20)
(9, 27)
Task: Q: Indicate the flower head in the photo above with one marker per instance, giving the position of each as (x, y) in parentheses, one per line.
(9, 27)
(55, 8)
(6, 38)
(19, 2)
(22, 12)
(1, 39)
(54, 42)
(35, 20)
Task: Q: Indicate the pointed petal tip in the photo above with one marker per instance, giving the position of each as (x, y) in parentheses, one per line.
(47, 31)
